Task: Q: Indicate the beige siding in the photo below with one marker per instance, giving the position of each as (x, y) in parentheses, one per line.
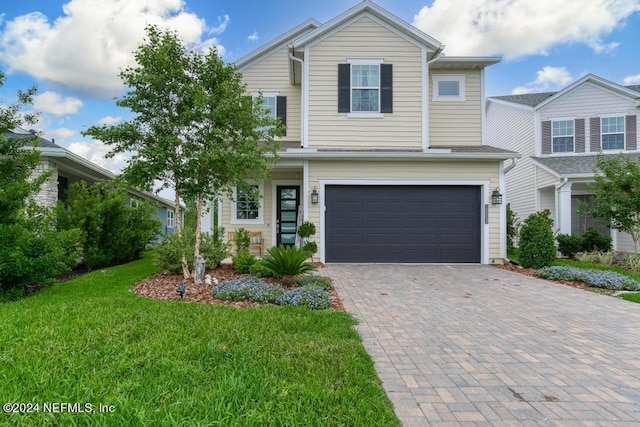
(545, 179)
(271, 74)
(624, 243)
(457, 123)
(443, 171)
(512, 129)
(548, 201)
(365, 38)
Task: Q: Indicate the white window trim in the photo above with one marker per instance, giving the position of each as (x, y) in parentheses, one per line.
(171, 218)
(269, 94)
(573, 135)
(365, 114)
(624, 132)
(234, 206)
(437, 78)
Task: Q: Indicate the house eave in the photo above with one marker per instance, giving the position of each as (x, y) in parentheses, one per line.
(396, 156)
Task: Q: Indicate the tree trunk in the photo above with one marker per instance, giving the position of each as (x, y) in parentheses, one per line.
(196, 248)
(185, 265)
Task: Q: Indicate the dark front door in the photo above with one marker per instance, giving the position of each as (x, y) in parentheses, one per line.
(288, 202)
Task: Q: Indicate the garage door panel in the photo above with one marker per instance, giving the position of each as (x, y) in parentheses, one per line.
(402, 223)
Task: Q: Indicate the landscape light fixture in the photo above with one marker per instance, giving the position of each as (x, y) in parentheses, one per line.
(496, 197)
(181, 290)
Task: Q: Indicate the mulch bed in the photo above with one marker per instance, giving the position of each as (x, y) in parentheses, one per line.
(163, 286)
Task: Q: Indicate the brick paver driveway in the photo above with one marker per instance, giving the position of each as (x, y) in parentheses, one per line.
(480, 345)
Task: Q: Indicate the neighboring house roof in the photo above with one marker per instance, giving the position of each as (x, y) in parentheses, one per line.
(71, 161)
(574, 166)
(538, 100)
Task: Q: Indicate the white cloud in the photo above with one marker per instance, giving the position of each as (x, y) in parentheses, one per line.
(518, 28)
(632, 80)
(53, 103)
(110, 120)
(62, 133)
(549, 78)
(253, 37)
(86, 47)
(96, 151)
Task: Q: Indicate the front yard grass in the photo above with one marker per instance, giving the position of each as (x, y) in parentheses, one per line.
(91, 341)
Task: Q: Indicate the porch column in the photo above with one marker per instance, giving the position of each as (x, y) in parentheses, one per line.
(564, 208)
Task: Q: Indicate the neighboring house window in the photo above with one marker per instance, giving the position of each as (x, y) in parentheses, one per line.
(612, 133)
(247, 208)
(448, 88)
(365, 88)
(171, 219)
(276, 105)
(562, 136)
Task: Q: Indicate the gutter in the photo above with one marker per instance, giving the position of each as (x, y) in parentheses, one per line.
(408, 156)
(514, 160)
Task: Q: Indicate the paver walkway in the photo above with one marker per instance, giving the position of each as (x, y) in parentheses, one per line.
(477, 345)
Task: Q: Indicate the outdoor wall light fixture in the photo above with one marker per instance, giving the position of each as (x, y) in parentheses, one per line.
(181, 290)
(314, 196)
(496, 197)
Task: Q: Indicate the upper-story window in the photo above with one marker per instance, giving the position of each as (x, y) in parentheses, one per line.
(562, 136)
(365, 88)
(171, 218)
(276, 105)
(613, 133)
(448, 88)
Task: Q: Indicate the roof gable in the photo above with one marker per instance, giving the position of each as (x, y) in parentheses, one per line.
(378, 14)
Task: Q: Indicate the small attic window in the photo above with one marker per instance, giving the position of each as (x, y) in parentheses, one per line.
(448, 88)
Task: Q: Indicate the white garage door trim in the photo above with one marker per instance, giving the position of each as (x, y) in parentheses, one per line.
(484, 192)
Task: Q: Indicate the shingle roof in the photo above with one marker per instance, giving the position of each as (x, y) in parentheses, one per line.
(575, 165)
(28, 135)
(533, 99)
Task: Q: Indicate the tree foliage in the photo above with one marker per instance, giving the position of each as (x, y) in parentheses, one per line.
(194, 129)
(31, 251)
(617, 195)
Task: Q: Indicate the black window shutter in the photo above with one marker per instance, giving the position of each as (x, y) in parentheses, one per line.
(386, 88)
(281, 112)
(546, 137)
(344, 88)
(631, 136)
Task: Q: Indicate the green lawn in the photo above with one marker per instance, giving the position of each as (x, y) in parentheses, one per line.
(91, 341)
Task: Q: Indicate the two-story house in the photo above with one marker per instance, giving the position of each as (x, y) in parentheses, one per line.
(560, 135)
(383, 149)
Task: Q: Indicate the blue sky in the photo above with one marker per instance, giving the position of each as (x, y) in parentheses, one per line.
(72, 49)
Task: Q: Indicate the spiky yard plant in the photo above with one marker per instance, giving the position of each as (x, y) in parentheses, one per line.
(287, 261)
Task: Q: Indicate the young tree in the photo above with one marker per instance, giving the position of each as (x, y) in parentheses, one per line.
(194, 127)
(617, 195)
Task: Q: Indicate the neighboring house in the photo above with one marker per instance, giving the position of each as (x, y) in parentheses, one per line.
(67, 167)
(383, 149)
(560, 135)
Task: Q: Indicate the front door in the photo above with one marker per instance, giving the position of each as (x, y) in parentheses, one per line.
(288, 201)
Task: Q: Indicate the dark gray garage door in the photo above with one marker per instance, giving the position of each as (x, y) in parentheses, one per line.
(410, 223)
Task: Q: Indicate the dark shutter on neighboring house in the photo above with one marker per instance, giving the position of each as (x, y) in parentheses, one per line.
(281, 112)
(631, 133)
(386, 88)
(546, 137)
(594, 134)
(344, 88)
(579, 146)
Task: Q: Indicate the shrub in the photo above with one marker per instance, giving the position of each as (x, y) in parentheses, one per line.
(242, 240)
(247, 289)
(595, 278)
(243, 261)
(513, 225)
(287, 261)
(310, 297)
(169, 251)
(592, 240)
(259, 270)
(633, 262)
(305, 231)
(314, 281)
(605, 258)
(569, 244)
(537, 245)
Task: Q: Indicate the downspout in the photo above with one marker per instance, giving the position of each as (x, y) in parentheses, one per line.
(511, 166)
(302, 99)
(426, 124)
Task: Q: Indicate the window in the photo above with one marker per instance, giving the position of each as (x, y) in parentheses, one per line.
(247, 208)
(171, 219)
(365, 88)
(613, 133)
(562, 136)
(276, 105)
(448, 88)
